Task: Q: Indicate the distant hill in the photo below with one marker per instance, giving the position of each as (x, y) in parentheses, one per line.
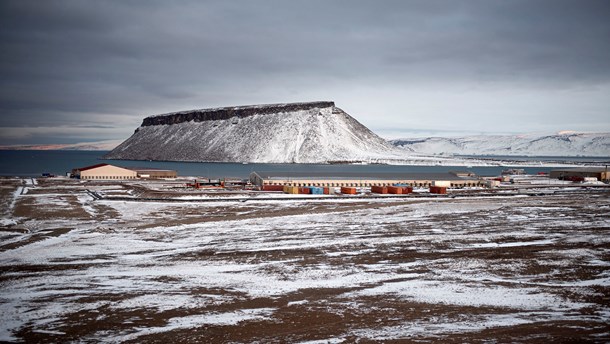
(316, 132)
(561, 144)
(98, 145)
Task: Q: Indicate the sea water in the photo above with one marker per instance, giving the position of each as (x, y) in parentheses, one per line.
(32, 163)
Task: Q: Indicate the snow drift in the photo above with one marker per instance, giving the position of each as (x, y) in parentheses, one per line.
(316, 132)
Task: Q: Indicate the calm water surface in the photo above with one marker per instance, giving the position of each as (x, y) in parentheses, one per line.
(34, 163)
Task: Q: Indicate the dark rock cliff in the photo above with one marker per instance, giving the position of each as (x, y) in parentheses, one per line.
(230, 112)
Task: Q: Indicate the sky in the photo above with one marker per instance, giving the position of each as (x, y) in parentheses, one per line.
(79, 71)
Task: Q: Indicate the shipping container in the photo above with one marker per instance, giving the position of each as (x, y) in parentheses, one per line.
(438, 190)
(396, 190)
(441, 183)
(407, 190)
(291, 189)
(273, 188)
(379, 189)
(348, 190)
(327, 191)
(316, 190)
(304, 191)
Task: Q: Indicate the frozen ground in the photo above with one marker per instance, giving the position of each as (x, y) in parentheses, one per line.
(473, 269)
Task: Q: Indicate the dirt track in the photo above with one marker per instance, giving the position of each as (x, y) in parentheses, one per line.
(507, 269)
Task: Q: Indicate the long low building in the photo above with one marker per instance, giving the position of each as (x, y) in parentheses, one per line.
(153, 173)
(111, 172)
(361, 179)
(104, 172)
(601, 173)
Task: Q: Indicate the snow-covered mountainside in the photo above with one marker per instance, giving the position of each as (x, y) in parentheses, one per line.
(316, 132)
(561, 144)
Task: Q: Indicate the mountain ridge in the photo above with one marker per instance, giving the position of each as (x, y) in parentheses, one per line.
(569, 144)
(229, 112)
(105, 145)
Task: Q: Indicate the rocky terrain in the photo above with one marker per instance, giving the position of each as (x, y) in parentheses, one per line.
(316, 132)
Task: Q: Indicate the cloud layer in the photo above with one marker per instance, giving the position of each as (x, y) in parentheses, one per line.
(91, 70)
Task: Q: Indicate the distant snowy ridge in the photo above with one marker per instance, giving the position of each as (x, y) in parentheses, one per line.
(317, 132)
(560, 144)
(97, 145)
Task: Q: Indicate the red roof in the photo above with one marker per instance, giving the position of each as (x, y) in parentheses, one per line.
(91, 167)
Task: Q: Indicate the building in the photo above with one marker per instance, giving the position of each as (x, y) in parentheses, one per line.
(104, 172)
(111, 172)
(153, 173)
(601, 173)
(347, 179)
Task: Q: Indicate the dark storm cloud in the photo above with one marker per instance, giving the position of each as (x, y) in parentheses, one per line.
(101, 63)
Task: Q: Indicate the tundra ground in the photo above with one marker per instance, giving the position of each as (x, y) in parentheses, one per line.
(510, 268)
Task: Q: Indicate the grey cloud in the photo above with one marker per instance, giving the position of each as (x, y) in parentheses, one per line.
(68, 62)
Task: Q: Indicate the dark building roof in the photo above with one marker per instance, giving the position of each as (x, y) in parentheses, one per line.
(359, 176)
(151, 169)
(91, 167)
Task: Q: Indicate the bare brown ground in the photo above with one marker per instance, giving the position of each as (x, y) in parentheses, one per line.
(327, 312)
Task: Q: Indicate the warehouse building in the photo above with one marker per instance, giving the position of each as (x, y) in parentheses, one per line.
(104, 172)
(347, 179)
(601, 173)
(111, 172)
(153, 173)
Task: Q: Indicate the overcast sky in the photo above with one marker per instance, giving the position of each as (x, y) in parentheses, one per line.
(74, 71)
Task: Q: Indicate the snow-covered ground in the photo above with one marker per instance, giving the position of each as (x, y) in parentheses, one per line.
(510, 268)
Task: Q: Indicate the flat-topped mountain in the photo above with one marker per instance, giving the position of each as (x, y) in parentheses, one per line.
(314, 132)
